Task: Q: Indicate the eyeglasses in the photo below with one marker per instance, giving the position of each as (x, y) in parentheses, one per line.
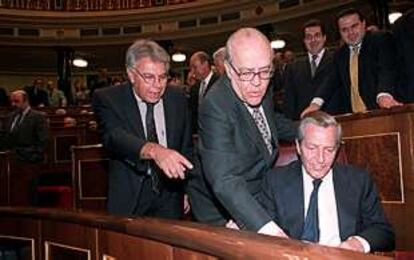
(265, 73)
(310, 37)
(151, 78)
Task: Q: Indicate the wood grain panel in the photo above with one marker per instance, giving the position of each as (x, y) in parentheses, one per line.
(128, 247)
(380, 155)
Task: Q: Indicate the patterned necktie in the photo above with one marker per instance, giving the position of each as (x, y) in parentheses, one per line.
(311, 226)
(264, 131)
(313, 65)
(153, 169)
(357, 103)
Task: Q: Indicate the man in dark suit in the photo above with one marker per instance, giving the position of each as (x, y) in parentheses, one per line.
(37, 95)
(307, 74)
(200, 64)
(365, 72)
(403, 30)
(146, 128)
(238, 138)
(25, 130)
(316, 200)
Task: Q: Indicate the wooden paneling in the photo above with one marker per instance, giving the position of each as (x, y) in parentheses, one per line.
(68, 237)
(129, 247)
(77, 235)
(90, 177)
(382, 141)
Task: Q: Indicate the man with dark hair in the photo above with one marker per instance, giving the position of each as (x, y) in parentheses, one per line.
(146, 128)
(365, 72)
(200, 65)
(37, 95)
(316, 200)
(26, 130)
(307, 74)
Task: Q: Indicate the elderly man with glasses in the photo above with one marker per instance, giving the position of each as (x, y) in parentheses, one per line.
(238, 138)
(146, 128)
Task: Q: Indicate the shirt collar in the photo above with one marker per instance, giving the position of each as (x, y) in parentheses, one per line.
(319, 54)
(207, 79)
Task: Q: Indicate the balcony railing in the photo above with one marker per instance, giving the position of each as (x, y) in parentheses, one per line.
(86, 5)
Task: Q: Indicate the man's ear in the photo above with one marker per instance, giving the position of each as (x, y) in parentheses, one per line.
(227, 69)
(298, 146)
(130, 76)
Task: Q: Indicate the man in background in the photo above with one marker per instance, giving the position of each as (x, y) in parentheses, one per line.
(200, 65)
(25, 130)
(304, 76)
(365, 71)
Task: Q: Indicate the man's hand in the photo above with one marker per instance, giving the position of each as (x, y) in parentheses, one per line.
(352, 244)
(187, 205)
(311, 108)
(171, 162)
(387, 101)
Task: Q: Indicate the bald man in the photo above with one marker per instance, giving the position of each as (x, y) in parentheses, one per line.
(238, 133)
(200, 65)
(25, 130)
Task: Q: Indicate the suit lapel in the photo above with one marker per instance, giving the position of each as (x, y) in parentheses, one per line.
(343, 198)
(213, 79)
(322, 63)
(168, 115)
(131, 110)
(295, 207)
(248, 123)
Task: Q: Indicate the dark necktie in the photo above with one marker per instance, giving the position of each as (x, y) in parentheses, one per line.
(313, 65)
(152, 137)
(311, 226)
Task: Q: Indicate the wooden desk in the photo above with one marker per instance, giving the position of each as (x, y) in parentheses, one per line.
(382, 141)
(53, 234)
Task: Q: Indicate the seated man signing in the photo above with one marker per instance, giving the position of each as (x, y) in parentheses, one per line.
(316, 200)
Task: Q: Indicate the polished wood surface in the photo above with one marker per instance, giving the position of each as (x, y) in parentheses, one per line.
(382, 141)
(148, 238)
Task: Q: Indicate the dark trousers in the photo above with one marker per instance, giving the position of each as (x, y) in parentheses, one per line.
(167, 203)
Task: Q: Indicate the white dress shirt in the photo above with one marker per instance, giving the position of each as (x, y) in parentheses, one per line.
(327, 210)
(159, 119)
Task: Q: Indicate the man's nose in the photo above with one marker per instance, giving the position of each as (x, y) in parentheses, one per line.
(256, 80)
(321, 156)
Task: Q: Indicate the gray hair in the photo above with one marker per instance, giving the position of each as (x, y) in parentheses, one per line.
(322, 119)
(220, 53)
(144, 48)
(21, 93)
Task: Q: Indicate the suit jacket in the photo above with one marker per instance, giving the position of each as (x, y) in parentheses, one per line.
(300, 87)
(194, 100)
(37, 97)
(122, 134)
(29, 138)
(359, 207)
(377, 72)
(403, 31)
(233, 158)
